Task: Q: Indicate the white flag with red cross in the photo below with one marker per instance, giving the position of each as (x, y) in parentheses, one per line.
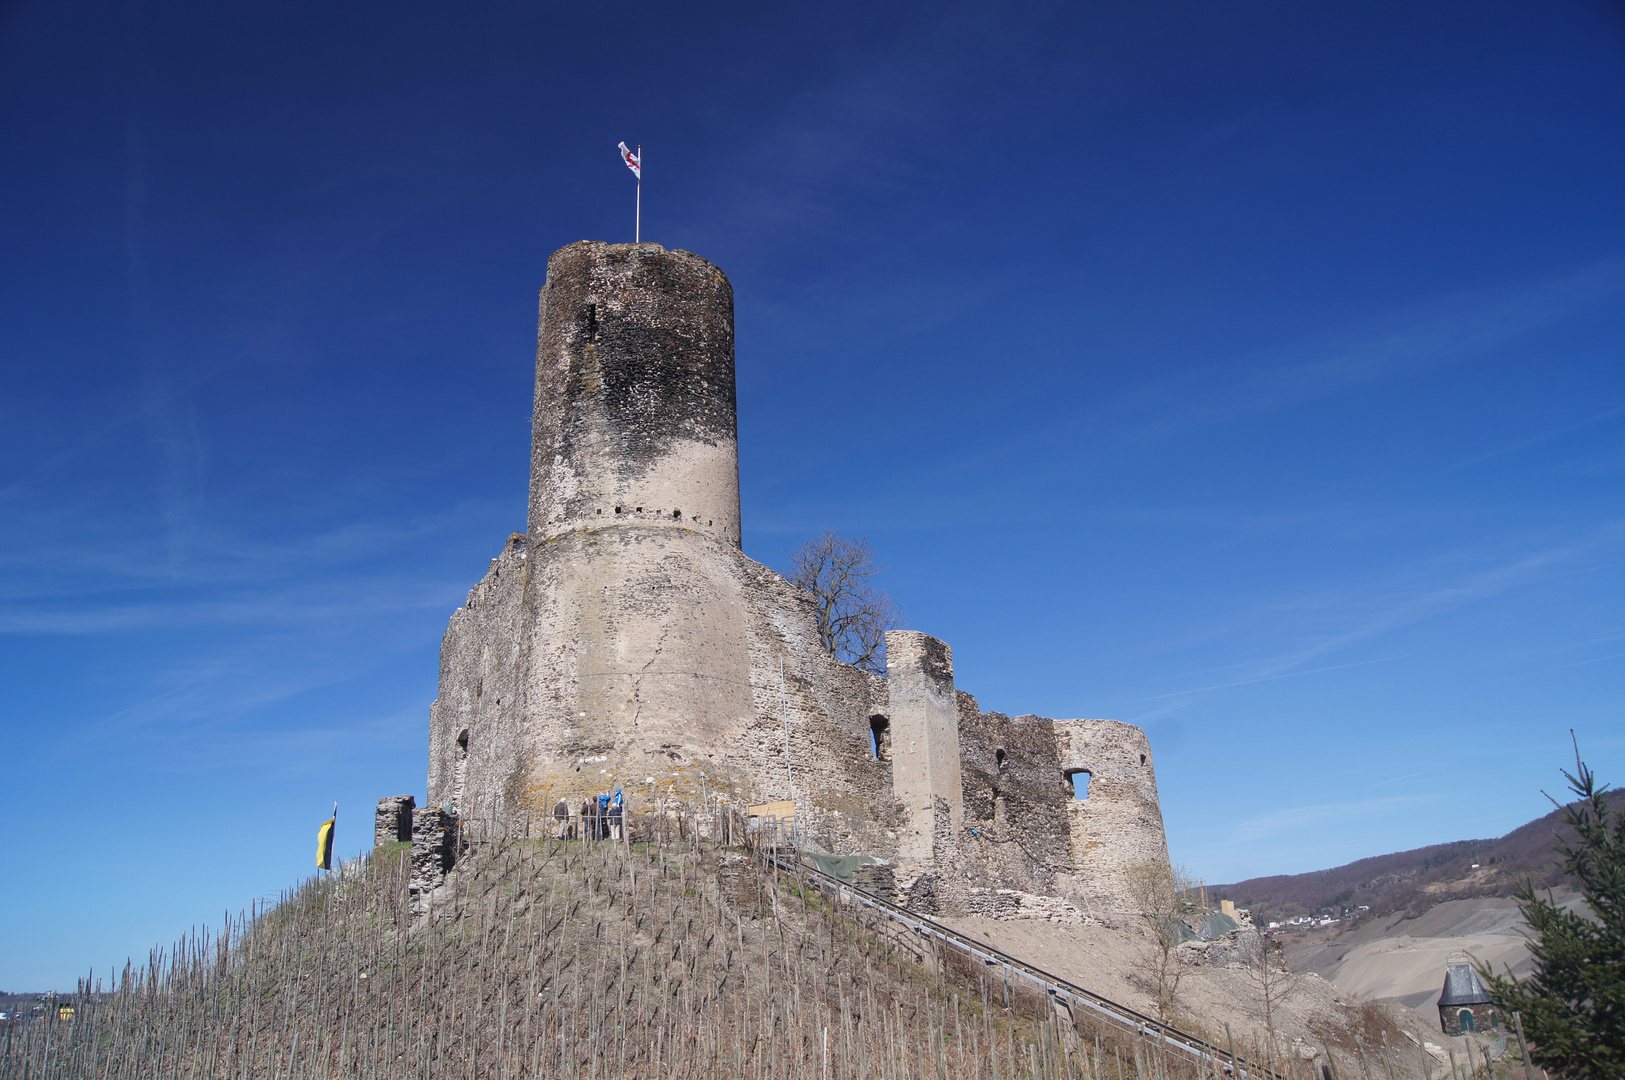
(633, 161)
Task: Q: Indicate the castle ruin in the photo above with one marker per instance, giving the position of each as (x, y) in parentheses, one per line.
(625, 641)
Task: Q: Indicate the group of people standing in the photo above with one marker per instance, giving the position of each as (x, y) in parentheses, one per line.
(602, 818)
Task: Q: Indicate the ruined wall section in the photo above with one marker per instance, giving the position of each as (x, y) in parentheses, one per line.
(478, 753)
(845, 799)
(925, 743)
(1119, 826)
(1015, 797)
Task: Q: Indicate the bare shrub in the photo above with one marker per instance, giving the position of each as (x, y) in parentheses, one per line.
(1361, 1031)
(1274, 982)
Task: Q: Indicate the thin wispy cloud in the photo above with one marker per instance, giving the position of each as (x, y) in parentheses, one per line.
(340, 572)
(1417, 596)
(1166, 411)
(310, 605)
(1448, 330)
(1407, 776)
(1363, 613)
(1302, 820)
(1564, 667)
(1260, 679)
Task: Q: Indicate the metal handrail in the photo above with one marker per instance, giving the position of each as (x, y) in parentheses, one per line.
(1192, 1047)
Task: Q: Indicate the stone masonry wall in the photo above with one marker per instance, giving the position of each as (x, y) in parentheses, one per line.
(1119, 826)
(478, 755)
(1015, 800)
(392, 822)
(924, 740)
(436, 844)
(518, 672)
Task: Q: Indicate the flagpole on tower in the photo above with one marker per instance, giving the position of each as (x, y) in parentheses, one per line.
(635, 163)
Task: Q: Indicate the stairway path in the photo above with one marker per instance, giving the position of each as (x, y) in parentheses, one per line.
(1064, 995)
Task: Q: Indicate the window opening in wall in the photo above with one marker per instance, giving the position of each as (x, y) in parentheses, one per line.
(460, 768)
(998, 758)
(1142, 759)
(1078, 779)
(880, 737)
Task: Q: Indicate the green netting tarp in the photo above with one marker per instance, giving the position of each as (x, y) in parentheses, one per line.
(841, 867)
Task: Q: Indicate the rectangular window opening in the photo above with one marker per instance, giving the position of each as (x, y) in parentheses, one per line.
(1079, 779)
(880, 737)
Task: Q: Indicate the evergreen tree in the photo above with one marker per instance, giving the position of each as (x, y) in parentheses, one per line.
(1573, 1005)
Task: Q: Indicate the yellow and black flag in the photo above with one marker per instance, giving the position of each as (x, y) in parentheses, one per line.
(324, 841)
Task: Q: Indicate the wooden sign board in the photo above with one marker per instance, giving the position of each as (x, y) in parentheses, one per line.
(774, 822)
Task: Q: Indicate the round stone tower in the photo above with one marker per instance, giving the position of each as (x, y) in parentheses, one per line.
(1116, 826)
(634, 416)
(636, 661)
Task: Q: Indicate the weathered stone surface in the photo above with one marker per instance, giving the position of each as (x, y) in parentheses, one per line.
(477, 722)
(877, 878)
(1015, 800)
(1119, 826)
(435, 846)
(634, 411)
(1013, 904)
(924, 740)
(393, 821)
(627, 642)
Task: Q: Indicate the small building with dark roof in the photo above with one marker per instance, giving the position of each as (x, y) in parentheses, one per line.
(1464, 1005)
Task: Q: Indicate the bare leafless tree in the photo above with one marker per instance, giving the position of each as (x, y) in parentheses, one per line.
(853, 614)
(1161, 893)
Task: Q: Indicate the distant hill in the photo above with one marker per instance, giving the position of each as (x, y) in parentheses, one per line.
(1413, 881)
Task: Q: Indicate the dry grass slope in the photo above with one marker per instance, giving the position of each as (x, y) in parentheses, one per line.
(674, 958)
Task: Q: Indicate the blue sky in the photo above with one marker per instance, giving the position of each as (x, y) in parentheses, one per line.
(1248, 372)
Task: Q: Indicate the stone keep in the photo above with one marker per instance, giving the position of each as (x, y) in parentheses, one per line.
(625, 641)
